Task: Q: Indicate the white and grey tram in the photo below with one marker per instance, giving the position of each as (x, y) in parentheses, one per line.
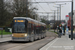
(27, 29)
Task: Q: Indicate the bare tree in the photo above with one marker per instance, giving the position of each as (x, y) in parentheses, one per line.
(21, 8)
(4, 14)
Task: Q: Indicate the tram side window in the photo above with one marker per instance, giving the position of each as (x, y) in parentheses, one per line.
(29, 28)
(32, 26)
(29, 25)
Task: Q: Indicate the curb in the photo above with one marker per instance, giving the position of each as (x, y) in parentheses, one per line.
(4, 41)
(47, 43)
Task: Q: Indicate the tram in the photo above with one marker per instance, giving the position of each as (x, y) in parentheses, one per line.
(27, 29)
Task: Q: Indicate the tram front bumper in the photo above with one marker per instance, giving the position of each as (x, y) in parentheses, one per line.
(20, 39)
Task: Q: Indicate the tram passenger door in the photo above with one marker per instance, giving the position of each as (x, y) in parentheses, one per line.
(32, 29)
(35, 32)
(29, 29)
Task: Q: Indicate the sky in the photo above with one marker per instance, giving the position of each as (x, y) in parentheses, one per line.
(44, 7)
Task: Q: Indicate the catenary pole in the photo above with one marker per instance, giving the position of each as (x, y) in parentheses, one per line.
(72, 21)
(54, 20)
(57, 19)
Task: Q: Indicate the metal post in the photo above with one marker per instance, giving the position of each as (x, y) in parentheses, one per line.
(57, 13)
(36, 16)
(57, 19)
(2, 10)
(54, 20)
(72, 21)
(1, 33)
(60, 12)
(47, 15)
(26, 8)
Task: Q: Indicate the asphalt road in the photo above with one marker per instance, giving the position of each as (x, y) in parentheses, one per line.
(36, 45)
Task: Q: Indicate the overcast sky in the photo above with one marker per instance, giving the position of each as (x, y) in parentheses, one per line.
(65, 9)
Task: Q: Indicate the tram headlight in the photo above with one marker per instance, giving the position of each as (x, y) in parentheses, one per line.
(25, 34)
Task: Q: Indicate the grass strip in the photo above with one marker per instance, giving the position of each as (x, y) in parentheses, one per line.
(4, 33)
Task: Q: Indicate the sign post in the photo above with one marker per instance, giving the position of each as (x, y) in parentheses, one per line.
(1, 32)
(67, 18)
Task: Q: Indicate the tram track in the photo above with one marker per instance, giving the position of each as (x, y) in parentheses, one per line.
(11, 45)
(18, 46)
(8, 45)
(26, 45)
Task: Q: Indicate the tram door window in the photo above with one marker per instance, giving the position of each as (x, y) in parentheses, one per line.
(29, 28)
(35, 30)
(41, 28)
(38, 29)
(32, 28)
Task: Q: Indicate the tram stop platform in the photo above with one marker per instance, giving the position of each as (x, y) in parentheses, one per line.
(63, 43)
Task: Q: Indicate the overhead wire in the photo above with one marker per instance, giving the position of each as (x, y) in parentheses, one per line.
(48, 5)
(40, 5)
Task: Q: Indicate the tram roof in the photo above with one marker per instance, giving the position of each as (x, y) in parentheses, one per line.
(25, 18)
(29, 19)
(20, 17)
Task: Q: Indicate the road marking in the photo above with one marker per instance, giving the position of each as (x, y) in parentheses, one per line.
(52, 43)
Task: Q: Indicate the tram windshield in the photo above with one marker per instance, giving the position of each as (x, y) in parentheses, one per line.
(19, 27)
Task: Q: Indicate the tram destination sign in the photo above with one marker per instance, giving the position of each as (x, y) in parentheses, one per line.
(19, 21)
